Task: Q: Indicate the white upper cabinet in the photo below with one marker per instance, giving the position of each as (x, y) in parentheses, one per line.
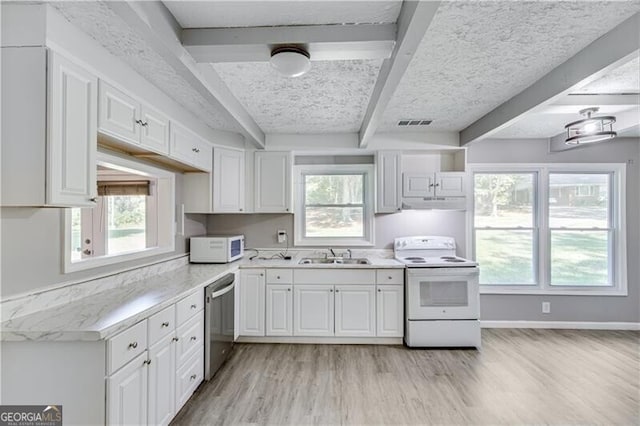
(388, 181)
(189, 148)
(118, 114)
(272, 182)
(49, 130)
(442, 184)
(228, 181)
(418, 185)
(127, 120)
(451, 184)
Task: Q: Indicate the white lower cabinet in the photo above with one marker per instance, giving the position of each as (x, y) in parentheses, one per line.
(188, 377)
(355, 310)
(127, 393)
(279, 310)
(313, 310)
(390, 310)
(252, 302)
(162, 379)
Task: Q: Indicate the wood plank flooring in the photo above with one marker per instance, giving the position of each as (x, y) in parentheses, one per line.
(519, 377)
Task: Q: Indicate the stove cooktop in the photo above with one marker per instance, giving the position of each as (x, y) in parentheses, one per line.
(436, 262)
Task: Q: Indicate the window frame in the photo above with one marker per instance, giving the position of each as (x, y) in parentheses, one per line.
(542, 241)
(164, 208)
(367, 170)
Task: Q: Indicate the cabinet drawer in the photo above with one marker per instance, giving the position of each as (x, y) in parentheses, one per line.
(161, 324)
(279, 276)
(188, 377)
(188, 307)
(190, 336)
(334, 276)
(125, 346)
(390, 276)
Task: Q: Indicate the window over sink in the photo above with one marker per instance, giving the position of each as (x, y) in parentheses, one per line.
(132, 217)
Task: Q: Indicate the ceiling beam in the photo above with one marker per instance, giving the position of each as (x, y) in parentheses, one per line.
(323, 42)
(162, 32)
(604, 54)
(415, 17)
(624, 121)
(598, 100)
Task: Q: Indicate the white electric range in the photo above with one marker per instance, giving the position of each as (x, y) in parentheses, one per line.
(441, 293)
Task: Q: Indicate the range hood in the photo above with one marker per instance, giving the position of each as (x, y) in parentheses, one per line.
(434, 203)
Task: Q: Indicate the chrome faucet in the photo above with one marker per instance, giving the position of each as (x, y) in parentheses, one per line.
(333, 253)
(350, 255)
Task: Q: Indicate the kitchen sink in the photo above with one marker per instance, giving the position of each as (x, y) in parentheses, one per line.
(333, 261)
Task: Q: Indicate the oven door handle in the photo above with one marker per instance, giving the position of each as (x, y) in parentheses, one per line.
(223, 291)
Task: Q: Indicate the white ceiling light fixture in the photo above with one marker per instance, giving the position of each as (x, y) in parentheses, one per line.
(290, 61)
(590, 129)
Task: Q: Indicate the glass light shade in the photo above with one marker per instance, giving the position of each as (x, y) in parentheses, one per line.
(590, 129)
(291, 63)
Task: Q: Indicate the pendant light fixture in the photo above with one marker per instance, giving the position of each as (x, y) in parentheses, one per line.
(290, 61)
(590, 129)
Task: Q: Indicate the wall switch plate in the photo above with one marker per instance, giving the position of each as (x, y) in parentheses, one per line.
(282, 235)
(546, 307)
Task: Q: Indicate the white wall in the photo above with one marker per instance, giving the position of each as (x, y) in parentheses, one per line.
(571, 308)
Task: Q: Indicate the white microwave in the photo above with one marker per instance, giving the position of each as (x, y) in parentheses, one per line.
(216, 249)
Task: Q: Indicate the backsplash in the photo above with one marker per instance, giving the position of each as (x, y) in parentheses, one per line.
(26, 304)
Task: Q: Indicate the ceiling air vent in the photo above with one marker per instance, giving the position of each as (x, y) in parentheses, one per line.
(414, 122)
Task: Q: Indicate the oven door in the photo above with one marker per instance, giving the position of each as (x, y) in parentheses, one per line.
(442, 293)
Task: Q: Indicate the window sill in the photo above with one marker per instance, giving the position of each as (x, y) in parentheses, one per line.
(115, 259)
(562, 292)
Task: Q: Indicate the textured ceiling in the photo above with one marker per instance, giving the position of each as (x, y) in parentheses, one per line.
(331, 97)
(624, 79)
(110, 31)
(199, 14)
(477, 55)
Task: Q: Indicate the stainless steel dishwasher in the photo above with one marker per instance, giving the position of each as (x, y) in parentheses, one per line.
(219, 323)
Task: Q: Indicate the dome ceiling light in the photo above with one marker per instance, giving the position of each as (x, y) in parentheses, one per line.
(290, 61)
(590, 129)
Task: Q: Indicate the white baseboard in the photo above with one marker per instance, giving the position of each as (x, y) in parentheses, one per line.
(323, 340)
(575, 325)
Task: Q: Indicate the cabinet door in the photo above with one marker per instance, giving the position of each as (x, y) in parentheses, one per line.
(272, 189)
(182, 143)
(388, 181)
(279, 310)
(202, 155)
(73, 134)
(127, 393)
(228, 181)
(390, 311)
(418, 185)
(252, 302)
(313, 310)
(155, 130)
(162, 381)
(118, 114)
(451, 184)
(355, 310)
(188, 377)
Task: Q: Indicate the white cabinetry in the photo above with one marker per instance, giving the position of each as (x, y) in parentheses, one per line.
(252, 302)
(279, 310)
(442, 184)
(390, 310)
(127, 393)
(272, 182)
(186, 146)
(388, 181)
(162, 379)
(313, 310)
(228, 181)
(355, 310)
(49, 130)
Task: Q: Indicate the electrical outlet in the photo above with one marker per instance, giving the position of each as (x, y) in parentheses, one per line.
(282, 235)
(546, 307)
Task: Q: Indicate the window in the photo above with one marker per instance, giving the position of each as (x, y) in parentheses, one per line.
(132, 218)
(550, 228)
(334, 205)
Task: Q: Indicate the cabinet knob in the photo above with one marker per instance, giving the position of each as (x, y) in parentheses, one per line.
(193, 377)
(337, 290)
(399, 208)
(330, 290)
(146, 362)
(165, 324)
(145, 124)
(175, 339)
(139, 122)
(93, 199)
(379, 291)
(289, 289)
(133, 345)
(278, 277)
(262, 275)
(240, 209)
(194, 306)
(196, 150)
(194, 338)
(390, 278)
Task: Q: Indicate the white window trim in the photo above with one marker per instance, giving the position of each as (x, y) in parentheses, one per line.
(368, 218)
(166, 243)
(541, 250)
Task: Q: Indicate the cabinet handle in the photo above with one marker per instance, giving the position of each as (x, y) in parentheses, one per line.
(146, 362)
(379, 291)
(262, 275)
(431, 185)
(175, 339)
(165, 324)
(93, 199)
(139, 122)
(289, 289)
(196, 150)
(337, 291)
(133, 345)
(390, 278)
(145, 124)
(240, 209)
(278, 277)
(193, 377)
(194, 306)
(331, 290)
(193, 338)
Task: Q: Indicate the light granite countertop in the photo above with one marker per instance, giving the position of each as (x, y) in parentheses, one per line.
(106, 313)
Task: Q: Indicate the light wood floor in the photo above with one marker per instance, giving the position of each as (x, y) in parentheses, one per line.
(519, 377)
